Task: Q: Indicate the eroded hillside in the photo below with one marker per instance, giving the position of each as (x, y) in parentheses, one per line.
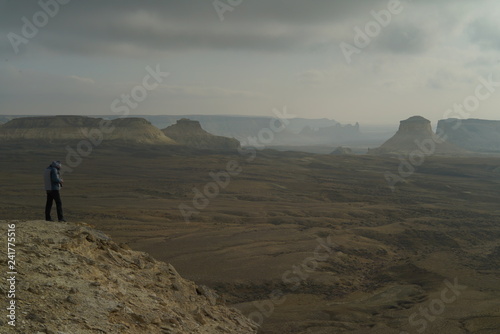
(74, 279)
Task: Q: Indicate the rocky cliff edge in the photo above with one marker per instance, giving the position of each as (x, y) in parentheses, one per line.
(74, 279)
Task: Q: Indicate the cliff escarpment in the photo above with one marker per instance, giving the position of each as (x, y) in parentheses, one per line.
(70, 128)
(415, 133)
(476, 135)
(190, 133)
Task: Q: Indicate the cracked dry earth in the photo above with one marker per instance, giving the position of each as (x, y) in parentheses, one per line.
(73, 279)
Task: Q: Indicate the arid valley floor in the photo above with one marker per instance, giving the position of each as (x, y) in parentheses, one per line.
(302, 243)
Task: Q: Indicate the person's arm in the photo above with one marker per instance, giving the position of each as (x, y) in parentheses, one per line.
(55, 177)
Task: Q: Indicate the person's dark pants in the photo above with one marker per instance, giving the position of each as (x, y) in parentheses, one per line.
(53, 195)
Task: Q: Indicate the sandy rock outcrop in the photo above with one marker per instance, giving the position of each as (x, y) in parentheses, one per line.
(74, 279)
(415, 134)
(68, 128)
(190, 133)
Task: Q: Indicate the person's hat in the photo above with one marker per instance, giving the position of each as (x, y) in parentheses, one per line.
(56, 164)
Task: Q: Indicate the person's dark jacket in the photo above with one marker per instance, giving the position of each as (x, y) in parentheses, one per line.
(52, 177)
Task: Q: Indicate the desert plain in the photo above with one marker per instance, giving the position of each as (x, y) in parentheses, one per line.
(299, 242)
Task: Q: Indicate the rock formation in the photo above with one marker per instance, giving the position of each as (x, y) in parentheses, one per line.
(190, 133)
(74, 279)
(68, 128)
(342, 151)
(416, 134)
(472, 134)
(294, 132)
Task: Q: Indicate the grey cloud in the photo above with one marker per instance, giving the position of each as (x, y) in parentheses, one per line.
(95, 27)
(484, 61)
(130, 27)
(441, 79)
(405, 38)
(485, 33)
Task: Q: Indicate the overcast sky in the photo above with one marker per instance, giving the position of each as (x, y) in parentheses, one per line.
(246, 57)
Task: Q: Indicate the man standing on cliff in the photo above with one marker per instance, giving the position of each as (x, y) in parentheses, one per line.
(53, 183)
